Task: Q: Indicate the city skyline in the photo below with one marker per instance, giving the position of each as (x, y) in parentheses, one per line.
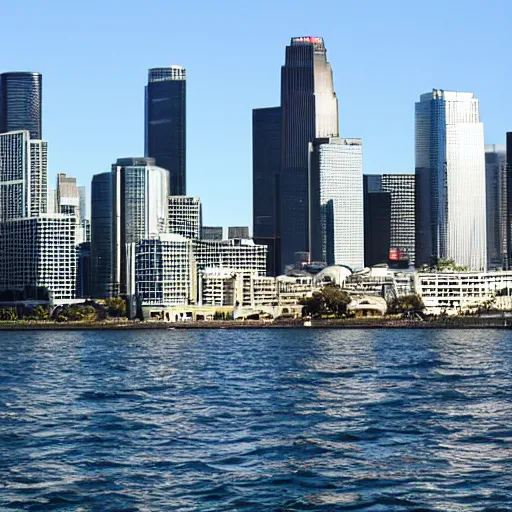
(380, 115)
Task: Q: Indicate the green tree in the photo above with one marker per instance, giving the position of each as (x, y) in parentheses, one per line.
(336, 300)
(410, 302)
(331, 300)
(115, 307)
(8, 314)
(41, 313)
(448, 264)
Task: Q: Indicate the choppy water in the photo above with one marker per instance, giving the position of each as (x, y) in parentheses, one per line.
(379, 420)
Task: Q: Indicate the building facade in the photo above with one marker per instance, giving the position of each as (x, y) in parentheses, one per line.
(377, 221)
(21, 103)
(450, 180)
(266, 164)
(165, 126)
(164, 271)
(185, 216)
(402, 188)
(101, 236)
(40, 252)
(23, 175)
(139, 210)
(238, 232)
(336, 202)
(212, 233)
(496, 204)
(309, 108)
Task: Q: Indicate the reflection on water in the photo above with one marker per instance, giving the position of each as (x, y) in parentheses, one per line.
(256, 420)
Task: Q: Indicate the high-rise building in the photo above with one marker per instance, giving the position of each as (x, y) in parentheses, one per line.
(266, 163)
(377, 221)
(21, 103)
(309, 109)
(139, 211)
(101, 236)
(165, 271)
(165, 127)
(238, 232)
(82, 194)
(402, 189)
(450, 180)
(83, 270)
(39, 252)
(336, 202)
(212, 233)
(23, 175)
(506, 211)
(495, 161)
(185, 216)
(68, 197)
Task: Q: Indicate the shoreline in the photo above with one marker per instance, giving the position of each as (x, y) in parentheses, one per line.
(345, 323)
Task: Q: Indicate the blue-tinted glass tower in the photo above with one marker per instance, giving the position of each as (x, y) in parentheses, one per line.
(21, 103)
(165, 126)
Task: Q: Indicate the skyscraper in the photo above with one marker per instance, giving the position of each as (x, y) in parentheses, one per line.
(266, 163)
(309, 109)
(23, 175)
(402, 189)
(139, 210)
(21, 103)
(212, 233)
(101, 236)
(185, 216)
(336, 202)
(450, 180)
(495, 161)
(165, 127)
(377, 220)
(68, 197)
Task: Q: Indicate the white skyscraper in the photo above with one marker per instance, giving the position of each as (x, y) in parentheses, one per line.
(23, 175)
(336, 201)
(450, 174)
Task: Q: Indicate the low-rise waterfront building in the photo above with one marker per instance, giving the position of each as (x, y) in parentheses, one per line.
(456, 292)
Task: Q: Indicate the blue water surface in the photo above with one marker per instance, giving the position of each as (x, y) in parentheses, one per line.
(284, 420)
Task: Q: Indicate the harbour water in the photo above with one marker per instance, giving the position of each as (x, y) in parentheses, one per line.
(305, 419)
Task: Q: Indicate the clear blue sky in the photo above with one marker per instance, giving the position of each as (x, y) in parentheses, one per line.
(94, 57)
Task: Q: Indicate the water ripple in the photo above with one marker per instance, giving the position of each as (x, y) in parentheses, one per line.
(256, 420)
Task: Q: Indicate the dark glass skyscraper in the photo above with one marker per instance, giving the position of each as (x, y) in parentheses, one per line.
(266, 162)
(21, 103)
(101, 235)
(309, 109)
(165, 127)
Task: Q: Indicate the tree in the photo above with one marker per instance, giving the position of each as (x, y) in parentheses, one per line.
(116, 307)
(336, 300)
(331, 300)
(410, 302)
(448, 264)
(41, 313)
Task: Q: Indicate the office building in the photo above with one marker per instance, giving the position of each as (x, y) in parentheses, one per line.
(336, 202)
(165, 126)
(496, 204)
(82, 194)
(164, 271)
(101, 236)
(21, 103)
(309, 110)
(403, 225)
(234, 254)
(83, 270)
(377, 221)
(450, 180)
(238, 232)
(185, 216)
(39, 252)
(68, 197)
(506, 206)
(266, 163)
(212, 233)
(139, 211)
(23, 175)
